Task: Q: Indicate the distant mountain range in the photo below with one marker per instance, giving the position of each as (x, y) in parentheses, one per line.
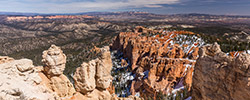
(131, 13)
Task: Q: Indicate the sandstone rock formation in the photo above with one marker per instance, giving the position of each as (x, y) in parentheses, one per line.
(218, 76)
(158, 63)
(103, 69)
(54, 61)
(20, 81)
(5, 59)
(54, 64)
(62, 86)
(93, 78)
(85, 77)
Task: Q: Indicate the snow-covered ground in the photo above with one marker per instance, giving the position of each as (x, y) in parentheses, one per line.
(189, 41)
(189, 98)
(121, 75)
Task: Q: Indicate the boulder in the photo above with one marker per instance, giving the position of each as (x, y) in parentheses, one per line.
(24, 65)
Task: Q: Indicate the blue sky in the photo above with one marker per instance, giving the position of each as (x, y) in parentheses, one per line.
(229, 7)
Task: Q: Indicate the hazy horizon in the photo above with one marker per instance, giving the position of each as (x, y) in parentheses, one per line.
(218, 7)
(35, 13)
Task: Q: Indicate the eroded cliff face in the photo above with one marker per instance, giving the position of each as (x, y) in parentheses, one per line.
(157, 61)
(21, 80)
(218, 76)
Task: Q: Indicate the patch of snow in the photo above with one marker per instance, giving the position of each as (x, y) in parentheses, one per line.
(189, 41)
(171, 42)
(189, 98)
(137, 94)
(179, 84)
(248, 51)
(177, 89)
(121, 75)
(188, 66)
(145, 74)
(157, 41)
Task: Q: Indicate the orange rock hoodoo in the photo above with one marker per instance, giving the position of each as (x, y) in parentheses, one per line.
(156, 60)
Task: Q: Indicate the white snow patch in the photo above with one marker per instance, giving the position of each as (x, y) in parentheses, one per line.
(137, 94)
(189, 98)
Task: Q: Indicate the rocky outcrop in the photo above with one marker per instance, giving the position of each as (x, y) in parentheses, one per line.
(93, 78)
(103, 69)
(156, 60)
(84, 77)
(5, 59)
(188, 78)
(218, 76)
(54, 61)
(54, 64)
(62, 86)
(20, 81)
